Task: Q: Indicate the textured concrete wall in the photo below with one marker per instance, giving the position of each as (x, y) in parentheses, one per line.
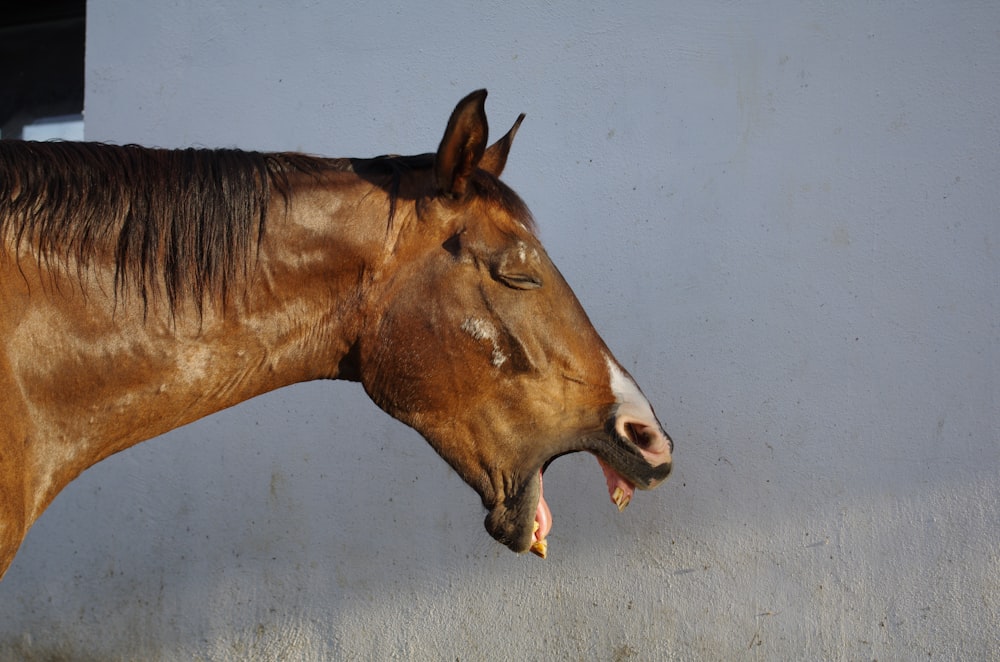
(783, 218)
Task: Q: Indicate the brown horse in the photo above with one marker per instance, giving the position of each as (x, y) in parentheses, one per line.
(143, 289)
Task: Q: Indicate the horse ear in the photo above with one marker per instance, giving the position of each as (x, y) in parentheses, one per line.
(495, 157)
(463, 145)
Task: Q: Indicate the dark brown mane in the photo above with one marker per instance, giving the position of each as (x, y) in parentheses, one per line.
(187, 220)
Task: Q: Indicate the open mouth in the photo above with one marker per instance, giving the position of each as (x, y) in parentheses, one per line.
(620, 490)
(628, 454)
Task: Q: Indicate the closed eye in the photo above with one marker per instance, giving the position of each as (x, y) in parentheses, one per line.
(520, 281)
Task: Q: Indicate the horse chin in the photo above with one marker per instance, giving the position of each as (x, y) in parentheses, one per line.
(523, 519)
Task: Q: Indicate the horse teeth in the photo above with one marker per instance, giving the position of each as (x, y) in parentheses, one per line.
(621, 499)
(539, 547)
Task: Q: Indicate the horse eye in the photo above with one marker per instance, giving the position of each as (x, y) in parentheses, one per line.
(520, 281)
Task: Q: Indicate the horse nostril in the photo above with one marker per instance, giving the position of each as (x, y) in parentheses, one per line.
(645, 437)
(638, 435)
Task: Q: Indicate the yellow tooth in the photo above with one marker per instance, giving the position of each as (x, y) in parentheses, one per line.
(620, 498)
(535, 530)
(540, 548)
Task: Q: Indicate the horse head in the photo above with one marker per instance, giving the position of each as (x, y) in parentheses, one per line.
(476, 341)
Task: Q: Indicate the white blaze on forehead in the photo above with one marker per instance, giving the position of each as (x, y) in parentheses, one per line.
(631, 401)
(481, 329)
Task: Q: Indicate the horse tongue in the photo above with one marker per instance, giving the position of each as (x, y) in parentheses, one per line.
(543, 523)
(620, 489)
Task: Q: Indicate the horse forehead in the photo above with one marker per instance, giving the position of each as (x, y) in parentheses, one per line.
(503, 210)
(508, 237)
(521, 251)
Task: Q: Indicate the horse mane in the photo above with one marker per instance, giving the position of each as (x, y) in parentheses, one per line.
(187, 220)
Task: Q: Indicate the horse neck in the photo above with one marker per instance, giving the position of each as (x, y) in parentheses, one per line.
(297, 318)
(117, 374)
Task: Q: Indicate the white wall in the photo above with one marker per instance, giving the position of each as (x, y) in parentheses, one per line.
(782, 216)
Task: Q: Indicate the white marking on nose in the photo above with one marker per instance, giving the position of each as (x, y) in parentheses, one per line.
(631, 401)
(481, 329)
